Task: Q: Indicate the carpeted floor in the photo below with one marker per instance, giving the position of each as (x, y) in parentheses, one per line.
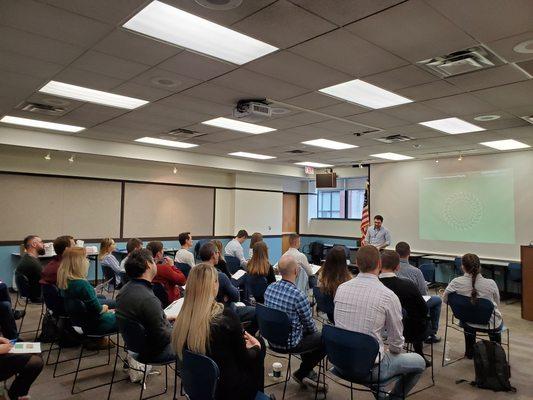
(46, 387)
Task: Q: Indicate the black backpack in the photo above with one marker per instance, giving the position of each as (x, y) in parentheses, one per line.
(492, 369)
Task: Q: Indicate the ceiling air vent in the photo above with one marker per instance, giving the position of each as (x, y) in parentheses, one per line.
(298, 152)
(182, 133)
(394, 139)
(42, 108)
(461, 62)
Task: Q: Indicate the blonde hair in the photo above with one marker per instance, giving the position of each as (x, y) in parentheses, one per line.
(192, 326)
(74, 265)
(259, 264)
(105, 246)
(219, 246)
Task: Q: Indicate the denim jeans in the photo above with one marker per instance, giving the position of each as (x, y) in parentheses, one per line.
(410, 365)
(434, 305)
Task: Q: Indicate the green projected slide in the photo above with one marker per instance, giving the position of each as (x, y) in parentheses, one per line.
(468, 207)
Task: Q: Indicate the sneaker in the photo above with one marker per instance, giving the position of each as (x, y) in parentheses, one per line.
(428, 363)
(313, 375)
(18, 314)
(432, 339)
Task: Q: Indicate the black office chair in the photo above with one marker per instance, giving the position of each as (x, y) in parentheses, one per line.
(233, 263)
(255, 286)
(110, 279)
(324, 304)
(183, 267)
(23, 298)
(135, 340)
(161, 293)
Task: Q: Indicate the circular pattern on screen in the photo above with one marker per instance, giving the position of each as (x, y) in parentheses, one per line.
(462, 211)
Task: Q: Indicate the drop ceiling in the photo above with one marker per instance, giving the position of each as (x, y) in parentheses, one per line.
(321, 43)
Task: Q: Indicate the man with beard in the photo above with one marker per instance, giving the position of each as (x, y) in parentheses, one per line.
(30, 266)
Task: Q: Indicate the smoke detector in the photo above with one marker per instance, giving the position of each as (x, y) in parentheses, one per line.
(41, 108)
(461, 62)
(219, 5)
(394, 139)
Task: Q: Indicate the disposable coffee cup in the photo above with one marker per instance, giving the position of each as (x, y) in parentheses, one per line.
(276, 369)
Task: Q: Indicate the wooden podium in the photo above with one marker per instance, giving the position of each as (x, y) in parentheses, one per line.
(526, 257)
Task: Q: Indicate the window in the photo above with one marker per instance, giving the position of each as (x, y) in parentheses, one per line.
(344, 203)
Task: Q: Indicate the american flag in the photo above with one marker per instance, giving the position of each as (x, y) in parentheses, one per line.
(365, 218)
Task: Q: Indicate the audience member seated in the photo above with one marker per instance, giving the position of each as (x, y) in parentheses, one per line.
(255, 238)
(207, 327)
(434, 304)
(8, 315)
(30, 266)
(259, 266)
(184, 255)
(234, 247)
(24, 367)
(415, 323)
(221, 266)
(132, 245)
(137, 302)
(167, 274)
(304, 337)
(107, 258)
(365, 305)
(472, 284)
(228, 294)
(302, 281)
(49, 273)
(72, 280)
(333, 273)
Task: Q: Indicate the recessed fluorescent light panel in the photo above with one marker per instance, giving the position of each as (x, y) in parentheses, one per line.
(240, 126)
(452, 126)
(163, 142)
(91, 95)
(329, 144)
(34, 123)
(251, 155)
(313, 164)
(365, 94)
(391, 156)
(508, 144)
(170, 24)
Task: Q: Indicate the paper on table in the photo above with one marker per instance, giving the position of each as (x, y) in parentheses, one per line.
(237, 275)
(26, 347)
(426, 298)
(174, 308)
(278, 278)
(315, 268)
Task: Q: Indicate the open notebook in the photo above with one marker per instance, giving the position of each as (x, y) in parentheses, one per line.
(174, 308)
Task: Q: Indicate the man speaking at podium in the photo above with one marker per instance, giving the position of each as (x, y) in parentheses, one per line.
(377, 235)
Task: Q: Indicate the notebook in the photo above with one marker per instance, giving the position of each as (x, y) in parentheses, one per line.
(173, 310)
(26, 347)
(426, 298)
(237, 275)
(315, 268)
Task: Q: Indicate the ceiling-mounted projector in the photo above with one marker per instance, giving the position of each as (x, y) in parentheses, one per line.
(252, 111)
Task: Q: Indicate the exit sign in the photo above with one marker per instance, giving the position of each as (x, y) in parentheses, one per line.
(309, 170)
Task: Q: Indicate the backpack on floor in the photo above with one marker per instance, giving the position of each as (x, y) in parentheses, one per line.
(492, 369)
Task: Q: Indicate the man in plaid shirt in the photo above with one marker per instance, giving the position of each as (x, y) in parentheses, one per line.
(304, 336)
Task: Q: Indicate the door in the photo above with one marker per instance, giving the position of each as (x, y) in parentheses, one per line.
(290, 218)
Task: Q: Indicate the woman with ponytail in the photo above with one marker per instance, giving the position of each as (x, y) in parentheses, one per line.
(474, 285)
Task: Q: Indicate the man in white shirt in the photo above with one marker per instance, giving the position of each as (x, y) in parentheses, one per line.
(377, 235)
(306, 271)
(132, 245)
(365, 305)
(183, 255)
(234, 247)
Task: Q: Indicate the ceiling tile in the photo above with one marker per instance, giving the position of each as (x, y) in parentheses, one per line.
(171, 82)
(526, 66)
(190, 103)
(348, 53)
(297, 70)
(140, 91)
(112, 12)
(215, 93)
(283, 24)
(495, 76)
(105, 64)
(506, 120)
(226, 17)
(37, 47)
(461, 104)
(504, 47)
(488, 22)
(196, 65)
(260, 86)
(400, 78)
(28, 66)
(88, 79)
(223, 136)
(399, 30)
(312, 101)
(342, 109)
(130, 46)
(90, 115)
(341, 12)
(429, 91)
(509, 96)
(378, 119)
(52, 22)
(414, 112)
